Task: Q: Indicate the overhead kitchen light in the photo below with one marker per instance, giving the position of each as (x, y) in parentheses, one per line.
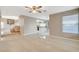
(2, 25)
(11, 17)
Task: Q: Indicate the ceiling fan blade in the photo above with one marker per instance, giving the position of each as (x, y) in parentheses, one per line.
(39, 11)
(39, 7)
(26, 7)
(30, 11)
(29, 8)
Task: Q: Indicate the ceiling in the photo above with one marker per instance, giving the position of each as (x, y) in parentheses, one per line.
(20, 10)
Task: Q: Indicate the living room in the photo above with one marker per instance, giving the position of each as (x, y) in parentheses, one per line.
(39, 28)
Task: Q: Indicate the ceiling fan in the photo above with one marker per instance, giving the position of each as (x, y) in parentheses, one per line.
(35, 9)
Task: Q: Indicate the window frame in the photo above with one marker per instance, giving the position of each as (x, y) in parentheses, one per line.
(63, 24)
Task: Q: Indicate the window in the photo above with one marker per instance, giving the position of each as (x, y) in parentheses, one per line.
(70, 24)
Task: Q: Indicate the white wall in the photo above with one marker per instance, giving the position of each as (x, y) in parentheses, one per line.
(5, 28)
(30, 26)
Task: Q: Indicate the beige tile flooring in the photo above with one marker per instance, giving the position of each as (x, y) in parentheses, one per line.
(33, 43)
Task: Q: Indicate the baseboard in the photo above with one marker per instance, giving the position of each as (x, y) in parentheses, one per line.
(29, 34)
(62, 37)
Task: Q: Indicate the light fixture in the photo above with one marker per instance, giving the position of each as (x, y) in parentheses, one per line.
(11, 17)
(39, 21)
(42, 24)
(2, 25)
(35, 9)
